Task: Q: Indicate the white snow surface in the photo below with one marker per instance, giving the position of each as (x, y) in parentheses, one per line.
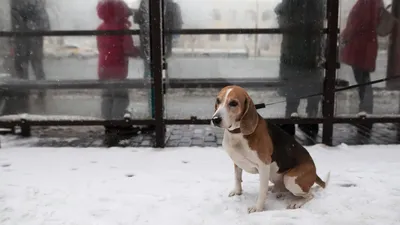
(187, 186)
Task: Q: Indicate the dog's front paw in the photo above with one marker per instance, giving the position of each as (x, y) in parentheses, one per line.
(254, 209)
(235, 192)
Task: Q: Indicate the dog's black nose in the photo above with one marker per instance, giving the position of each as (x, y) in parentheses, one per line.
(216, 120)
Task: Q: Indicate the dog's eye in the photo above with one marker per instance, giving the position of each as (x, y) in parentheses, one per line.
(233, 103)
(217, 101)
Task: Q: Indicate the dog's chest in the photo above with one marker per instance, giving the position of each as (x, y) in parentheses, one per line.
(238, 149)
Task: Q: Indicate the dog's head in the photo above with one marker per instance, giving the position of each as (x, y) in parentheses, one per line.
(235, 109)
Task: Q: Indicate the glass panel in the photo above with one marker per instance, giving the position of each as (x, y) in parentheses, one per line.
(71, 63)
(358, 134)
(296, 66)
(245, 59)
(73, 59)
(235, 13)
(58, 14)
(359, 65)
(76, 15)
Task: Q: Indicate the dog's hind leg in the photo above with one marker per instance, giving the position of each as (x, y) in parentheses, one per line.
(299, 181)
(278, 188)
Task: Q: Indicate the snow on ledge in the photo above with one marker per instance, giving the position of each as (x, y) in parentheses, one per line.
(25, 116)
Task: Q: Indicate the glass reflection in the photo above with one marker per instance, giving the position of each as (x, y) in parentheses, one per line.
(70, 58)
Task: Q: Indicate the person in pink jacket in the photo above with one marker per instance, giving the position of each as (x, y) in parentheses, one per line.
(113, 61)
(360, 47)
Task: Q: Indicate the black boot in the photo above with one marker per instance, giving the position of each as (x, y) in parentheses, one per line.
(111, 136)
(310, 130)
(288, 128)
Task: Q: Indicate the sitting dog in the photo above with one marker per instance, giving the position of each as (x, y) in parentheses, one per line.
(265, 149)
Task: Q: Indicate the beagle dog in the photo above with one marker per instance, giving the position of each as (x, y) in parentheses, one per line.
(265, 149)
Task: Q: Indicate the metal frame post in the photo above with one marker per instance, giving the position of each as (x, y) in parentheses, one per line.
(392, 48)
(328, 104)
(155, 14)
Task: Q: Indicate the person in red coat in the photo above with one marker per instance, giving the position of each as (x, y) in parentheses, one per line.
(360, 47)
(114, 53)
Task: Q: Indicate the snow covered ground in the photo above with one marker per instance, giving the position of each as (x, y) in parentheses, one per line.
(186, 186)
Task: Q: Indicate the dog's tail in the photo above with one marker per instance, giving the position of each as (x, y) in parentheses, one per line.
(322, 183)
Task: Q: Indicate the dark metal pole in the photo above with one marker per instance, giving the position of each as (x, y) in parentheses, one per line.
(393, 57)
(392, 49)
(156, 68)
(328, 104)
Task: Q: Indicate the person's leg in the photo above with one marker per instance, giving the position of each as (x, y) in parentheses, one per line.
(312, 112)
(313, 106)
(120, 103)
(106, 104)
(21, 57)
(313, 85)
(292, 105)
(119, 109)
(36, 57)
(360, 79)
(21, 60)
(367, 101)
(20, 44)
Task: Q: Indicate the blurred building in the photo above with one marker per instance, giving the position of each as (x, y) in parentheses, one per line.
(230, 14)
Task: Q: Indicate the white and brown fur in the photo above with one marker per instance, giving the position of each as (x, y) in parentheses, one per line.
(258, 148)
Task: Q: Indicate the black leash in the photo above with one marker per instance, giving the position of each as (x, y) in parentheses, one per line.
(263, 105)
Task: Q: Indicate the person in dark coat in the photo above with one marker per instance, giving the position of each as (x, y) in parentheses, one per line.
(360, 47)
(29, 15)
(172, 20)
(300, 57)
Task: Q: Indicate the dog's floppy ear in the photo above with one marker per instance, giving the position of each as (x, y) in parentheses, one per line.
(249, 120)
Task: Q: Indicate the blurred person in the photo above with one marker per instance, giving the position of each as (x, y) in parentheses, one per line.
(172, 20)
(300, 58)
(27, 15)
(114, 53)
(359, 41)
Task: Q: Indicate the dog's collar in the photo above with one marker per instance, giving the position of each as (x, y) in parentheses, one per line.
(235, 131)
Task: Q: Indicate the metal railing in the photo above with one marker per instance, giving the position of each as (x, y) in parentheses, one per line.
(328, 118)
